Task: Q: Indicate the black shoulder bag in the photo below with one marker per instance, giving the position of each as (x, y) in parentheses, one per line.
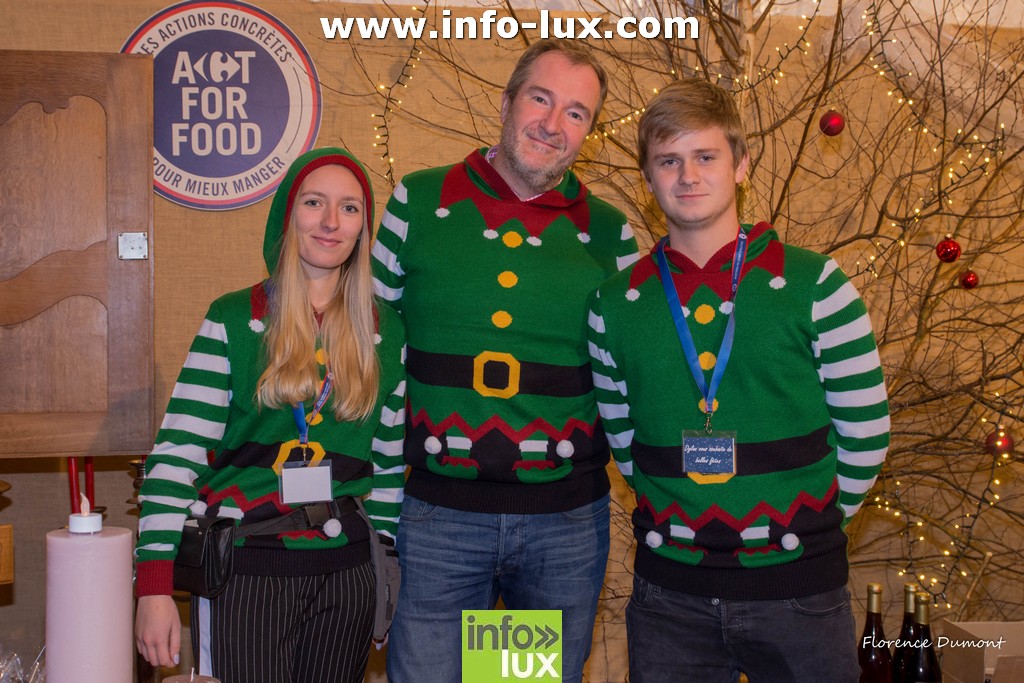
(203, 565)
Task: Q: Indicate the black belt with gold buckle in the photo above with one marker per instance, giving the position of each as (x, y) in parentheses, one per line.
(497, 374)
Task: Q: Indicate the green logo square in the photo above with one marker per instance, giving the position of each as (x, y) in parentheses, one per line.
(499, 646)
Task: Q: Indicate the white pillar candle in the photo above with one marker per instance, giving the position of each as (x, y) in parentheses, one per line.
(89, 602)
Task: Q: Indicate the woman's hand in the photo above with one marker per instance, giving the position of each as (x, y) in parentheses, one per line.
(158, 630)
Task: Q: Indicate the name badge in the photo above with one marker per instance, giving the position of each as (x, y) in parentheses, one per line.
(709, 458)
(300, 483)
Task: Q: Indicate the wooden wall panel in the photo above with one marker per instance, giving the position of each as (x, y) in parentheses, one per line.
(75, 319)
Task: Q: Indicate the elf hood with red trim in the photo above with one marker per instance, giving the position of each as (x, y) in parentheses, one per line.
(281, 208)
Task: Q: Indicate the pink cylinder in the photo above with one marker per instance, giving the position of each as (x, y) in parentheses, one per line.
(89, 606)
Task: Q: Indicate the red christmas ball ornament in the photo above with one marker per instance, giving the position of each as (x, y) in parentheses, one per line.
(999, 442)
(969, 279)
(832, 123)
(948, 250)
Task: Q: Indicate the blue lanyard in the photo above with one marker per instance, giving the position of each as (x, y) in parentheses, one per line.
(299, 413)
(686, 339)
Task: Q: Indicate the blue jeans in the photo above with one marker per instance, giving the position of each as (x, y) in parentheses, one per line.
(678, 638)
(454, 560)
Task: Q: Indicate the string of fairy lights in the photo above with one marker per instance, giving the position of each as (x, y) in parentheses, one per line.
(608, 127)
(962, 160)
(959, 159)
(765, 74)
(960, 537)
(935, 200)
(392, 100)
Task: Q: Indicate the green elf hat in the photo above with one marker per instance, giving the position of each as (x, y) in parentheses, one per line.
(281, 208)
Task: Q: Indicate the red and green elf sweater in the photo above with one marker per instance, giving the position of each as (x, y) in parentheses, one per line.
(803, 391)
(218, 454)
(494, 293)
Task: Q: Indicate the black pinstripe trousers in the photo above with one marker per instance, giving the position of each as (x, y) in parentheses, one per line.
(286, 629)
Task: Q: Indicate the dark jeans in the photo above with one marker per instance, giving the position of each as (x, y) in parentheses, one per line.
(453, 560)
(680, 638)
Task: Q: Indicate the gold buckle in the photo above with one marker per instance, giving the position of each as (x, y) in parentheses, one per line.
(508, 391)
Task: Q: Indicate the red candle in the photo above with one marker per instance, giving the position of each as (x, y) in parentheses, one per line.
(89, 602)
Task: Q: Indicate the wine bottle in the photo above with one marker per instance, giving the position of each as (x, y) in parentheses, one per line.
(905, 640)
(873, 649)
(924, 668)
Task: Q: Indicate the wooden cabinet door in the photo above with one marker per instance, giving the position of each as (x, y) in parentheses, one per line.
(76, 317)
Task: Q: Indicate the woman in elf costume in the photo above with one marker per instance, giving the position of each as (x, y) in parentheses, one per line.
(291, 399)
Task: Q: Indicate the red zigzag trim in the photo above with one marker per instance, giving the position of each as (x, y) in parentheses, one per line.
(495, 422)
(717, 513)
(535, 216)
(772, 259)
(244, 504)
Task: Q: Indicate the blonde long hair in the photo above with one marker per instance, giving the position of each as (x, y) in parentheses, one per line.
(347, 335)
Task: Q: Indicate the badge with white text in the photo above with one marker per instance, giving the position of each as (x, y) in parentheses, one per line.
(709, 457)
(301, 483)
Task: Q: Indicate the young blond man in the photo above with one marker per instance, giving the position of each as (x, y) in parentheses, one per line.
(740, 387)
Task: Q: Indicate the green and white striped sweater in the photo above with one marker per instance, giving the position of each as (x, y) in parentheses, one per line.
(803, 391)
(494, 293)
(218, 454)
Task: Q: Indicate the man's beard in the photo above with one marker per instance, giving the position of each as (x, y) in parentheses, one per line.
(539, 179)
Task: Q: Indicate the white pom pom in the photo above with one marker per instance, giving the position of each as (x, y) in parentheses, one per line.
(632, 294)
(377, 339)
(257, 326)
(726, 307)
(442, 212)
(198, 508)
(583, 237)
(535, 241)
(654, 539)
(686, 312)
(491, 234)
(332, 528)
(565, 448)
(777, 282)
(432, 445)
(790, 542)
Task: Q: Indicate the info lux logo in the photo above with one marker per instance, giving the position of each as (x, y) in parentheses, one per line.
(236, 100)
(508, 645)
